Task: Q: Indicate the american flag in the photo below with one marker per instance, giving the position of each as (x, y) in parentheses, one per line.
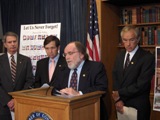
(93, 42)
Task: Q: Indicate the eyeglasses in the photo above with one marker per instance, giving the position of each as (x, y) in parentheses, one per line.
(130, 40)
(69, 53)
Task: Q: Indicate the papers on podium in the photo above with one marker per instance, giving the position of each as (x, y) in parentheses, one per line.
(45, 85)
(12, 115)
(63, 94)
(130, 113)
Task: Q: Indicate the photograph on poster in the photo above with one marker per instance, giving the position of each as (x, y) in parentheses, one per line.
(156, 102)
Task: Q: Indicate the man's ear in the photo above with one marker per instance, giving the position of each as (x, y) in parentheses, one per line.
(81, 56)
(4, 44)
(58, 49)
(138, 39)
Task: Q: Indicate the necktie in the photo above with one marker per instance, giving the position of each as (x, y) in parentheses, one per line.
(13, 68)
(51, 69)
(127, 61)
(73, 82)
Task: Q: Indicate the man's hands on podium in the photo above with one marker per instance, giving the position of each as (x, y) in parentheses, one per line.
(69, 91)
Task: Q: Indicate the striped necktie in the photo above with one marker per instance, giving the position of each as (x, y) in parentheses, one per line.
(13, 68)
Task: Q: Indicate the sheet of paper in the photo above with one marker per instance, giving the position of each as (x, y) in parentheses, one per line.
(130, 113)
(12, 114)
(45, 85)
(64, 95)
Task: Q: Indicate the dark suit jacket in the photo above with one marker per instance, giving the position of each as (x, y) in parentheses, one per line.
(42, 75)
(24, 79)
(92, 78)
(134, 85)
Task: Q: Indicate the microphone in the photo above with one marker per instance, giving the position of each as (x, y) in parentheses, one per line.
(49, 88)
(55, 92)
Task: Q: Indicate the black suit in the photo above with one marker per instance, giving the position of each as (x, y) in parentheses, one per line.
(92, 78)
(134, 85)
(24, 80)
(42, 71)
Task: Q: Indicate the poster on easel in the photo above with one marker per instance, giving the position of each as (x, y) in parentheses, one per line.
(156, 101)
(32, 37)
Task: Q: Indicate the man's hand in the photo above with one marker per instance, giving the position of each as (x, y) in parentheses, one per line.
(119, 106)
(118, 103)
(10, 104)
(69, 91)
(115, 95)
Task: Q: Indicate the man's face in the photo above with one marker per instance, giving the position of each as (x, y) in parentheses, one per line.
(129, 40)
(73, 56)
(11, 44)
(51, 49)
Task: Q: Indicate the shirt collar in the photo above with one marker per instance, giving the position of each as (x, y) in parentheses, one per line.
(132, 52)
(9, 55)
(55, 58)
(15, 56)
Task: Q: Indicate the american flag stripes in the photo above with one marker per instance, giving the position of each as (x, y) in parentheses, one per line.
(93, 42)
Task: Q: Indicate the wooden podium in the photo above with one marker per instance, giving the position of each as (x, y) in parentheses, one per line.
(38, 104)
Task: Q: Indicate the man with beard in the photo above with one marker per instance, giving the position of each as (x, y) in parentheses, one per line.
(82, 75)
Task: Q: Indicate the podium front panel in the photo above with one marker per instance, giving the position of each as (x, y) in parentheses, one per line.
(36, 105)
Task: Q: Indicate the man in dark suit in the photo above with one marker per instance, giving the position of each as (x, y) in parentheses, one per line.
(52, 48)
(22, 78)
(90, 75)
(132, 75)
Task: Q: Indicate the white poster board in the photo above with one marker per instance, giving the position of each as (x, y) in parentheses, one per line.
(32, 37)
(156, 101)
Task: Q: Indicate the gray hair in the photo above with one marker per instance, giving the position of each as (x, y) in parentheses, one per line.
(130, 27)
(9, 34)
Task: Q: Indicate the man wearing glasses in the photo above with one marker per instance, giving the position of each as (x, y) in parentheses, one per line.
(81, 76)
(132, 75)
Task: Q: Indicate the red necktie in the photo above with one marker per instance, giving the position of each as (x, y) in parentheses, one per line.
(127, 61)
(13, 68)
(73, 82)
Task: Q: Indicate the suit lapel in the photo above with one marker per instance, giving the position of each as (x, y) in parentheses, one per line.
(121, 61)
(65, 77)
(6, 67)
(83, 75)
(58, 66)
(19, 66)
(132, 64)
(46, 69)
(121, 64)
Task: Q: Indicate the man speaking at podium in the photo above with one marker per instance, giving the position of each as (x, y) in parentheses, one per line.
(81, 76)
